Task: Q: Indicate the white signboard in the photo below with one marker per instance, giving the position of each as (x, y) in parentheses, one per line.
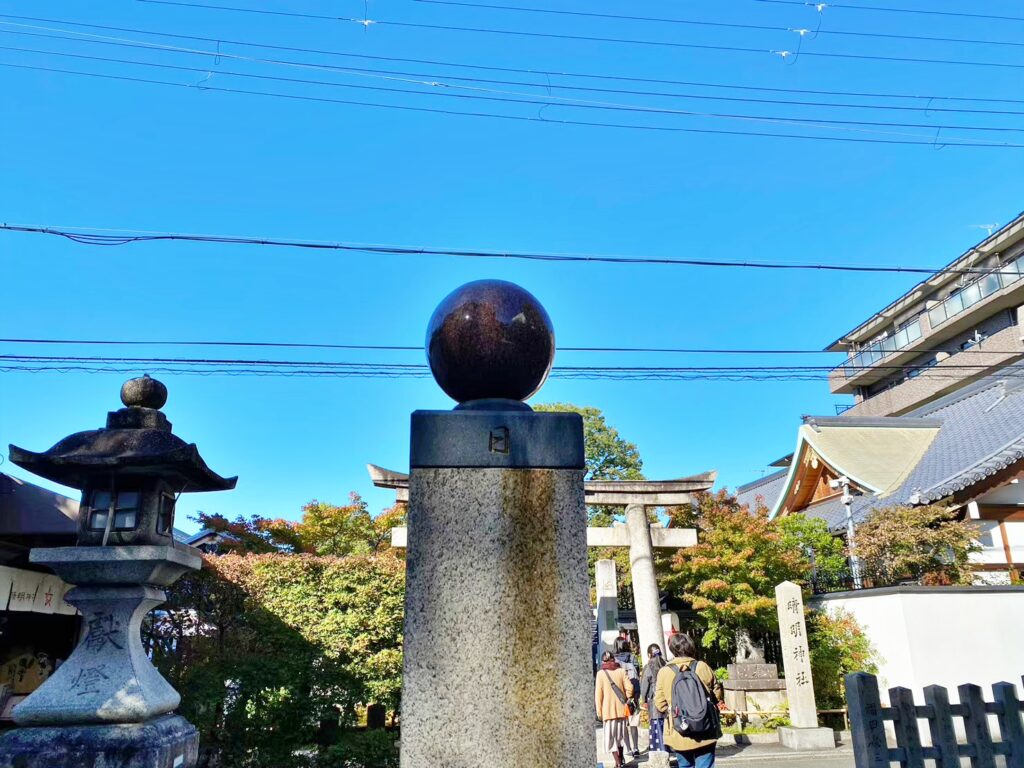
(26, 587)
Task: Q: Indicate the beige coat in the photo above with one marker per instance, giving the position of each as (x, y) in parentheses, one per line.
(663, 700)
(607, 703)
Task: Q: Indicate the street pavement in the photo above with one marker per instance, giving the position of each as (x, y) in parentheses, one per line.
(768, 755)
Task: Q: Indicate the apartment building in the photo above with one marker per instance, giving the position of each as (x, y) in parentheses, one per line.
(958, 326)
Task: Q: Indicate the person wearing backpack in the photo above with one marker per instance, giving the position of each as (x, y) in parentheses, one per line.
(655, 661)
(630, 664)
(685, 694)
(612, 694)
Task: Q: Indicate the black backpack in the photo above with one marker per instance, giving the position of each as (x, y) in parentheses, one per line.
(694, 711)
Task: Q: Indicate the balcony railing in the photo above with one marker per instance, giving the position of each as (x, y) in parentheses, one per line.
(980, 289)
(882, 348)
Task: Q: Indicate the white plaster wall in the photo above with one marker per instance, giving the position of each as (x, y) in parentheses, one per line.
(942, 635)
(1015, 534)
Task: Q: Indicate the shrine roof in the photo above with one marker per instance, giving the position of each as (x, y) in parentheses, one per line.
(947, 447)
(28, 510)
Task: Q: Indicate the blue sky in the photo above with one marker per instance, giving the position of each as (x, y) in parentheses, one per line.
(107, 153)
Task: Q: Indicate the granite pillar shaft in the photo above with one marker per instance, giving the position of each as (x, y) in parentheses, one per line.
(645, 585)
(497, 623)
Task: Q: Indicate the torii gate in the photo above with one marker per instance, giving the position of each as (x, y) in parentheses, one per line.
(637, 534)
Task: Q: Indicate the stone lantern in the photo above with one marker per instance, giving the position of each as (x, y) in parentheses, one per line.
(107, 704)
(130, 473)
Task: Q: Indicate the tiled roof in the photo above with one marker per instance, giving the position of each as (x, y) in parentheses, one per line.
(767, 487)
(981, 433)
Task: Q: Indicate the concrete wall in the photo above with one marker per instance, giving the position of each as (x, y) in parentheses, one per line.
(941, 635)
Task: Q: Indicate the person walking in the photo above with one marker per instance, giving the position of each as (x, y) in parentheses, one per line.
(612, 693)
(696, 750)
(648, 682)
(630, 665)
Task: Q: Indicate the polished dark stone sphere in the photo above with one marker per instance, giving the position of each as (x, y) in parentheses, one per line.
(490, 339)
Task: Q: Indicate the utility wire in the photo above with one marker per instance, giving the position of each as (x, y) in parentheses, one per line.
(433, 79)
(536, 72)
(419, 348)
(595, 39)
(110, 237)
(483, 94)
(889, 9)
(719, 24)
(374, 366)
(932, 142)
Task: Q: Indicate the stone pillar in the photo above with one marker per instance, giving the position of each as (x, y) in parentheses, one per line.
(796, 658)
(497, 608)
(497, 623)
(645, 585)
(669, 626)
(607, 604)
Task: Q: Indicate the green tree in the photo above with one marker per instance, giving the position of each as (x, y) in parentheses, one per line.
(811, 536)
(729, 577)
(838, 646)
(930, 542)
(608, 456)
(265, 648)
(325, 529)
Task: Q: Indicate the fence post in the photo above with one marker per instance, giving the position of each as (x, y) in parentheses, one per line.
(905, 724)
(976, 724)
(941, 726)
(1010, 728)
(870, 748)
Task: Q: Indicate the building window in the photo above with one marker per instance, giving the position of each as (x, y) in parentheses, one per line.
(913, 373)
(165, 519)
(125, 507)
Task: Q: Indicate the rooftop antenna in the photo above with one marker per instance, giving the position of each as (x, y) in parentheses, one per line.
(990, 228)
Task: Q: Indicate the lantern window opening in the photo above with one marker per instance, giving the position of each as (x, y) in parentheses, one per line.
(165, 518)
(124, 505)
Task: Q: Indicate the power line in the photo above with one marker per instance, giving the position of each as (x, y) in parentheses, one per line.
(433, 82)
(933, 142)
(718, 24)
(419, 348)
(112, 237)
(376, 366)
(886, 9)
(536, 72)
(595, 39)
(532, 99)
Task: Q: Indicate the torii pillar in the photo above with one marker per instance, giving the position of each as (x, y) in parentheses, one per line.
(636, 496)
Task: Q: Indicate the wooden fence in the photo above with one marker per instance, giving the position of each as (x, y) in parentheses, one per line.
(871, 746)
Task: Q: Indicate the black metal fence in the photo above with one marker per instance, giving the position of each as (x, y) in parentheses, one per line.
(848, 581)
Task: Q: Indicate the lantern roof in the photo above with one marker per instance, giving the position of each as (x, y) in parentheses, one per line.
(137, 441)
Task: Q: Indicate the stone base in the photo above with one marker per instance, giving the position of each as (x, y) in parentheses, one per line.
(806, 739)
(164, 742)
(657, 759)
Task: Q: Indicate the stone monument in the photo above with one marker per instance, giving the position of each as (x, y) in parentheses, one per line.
(607, 594)
(497, 620)
(107, 705)
(804, 733)
(753, 684)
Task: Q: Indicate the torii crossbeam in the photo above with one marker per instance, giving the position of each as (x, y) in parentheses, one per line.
(636, 496)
